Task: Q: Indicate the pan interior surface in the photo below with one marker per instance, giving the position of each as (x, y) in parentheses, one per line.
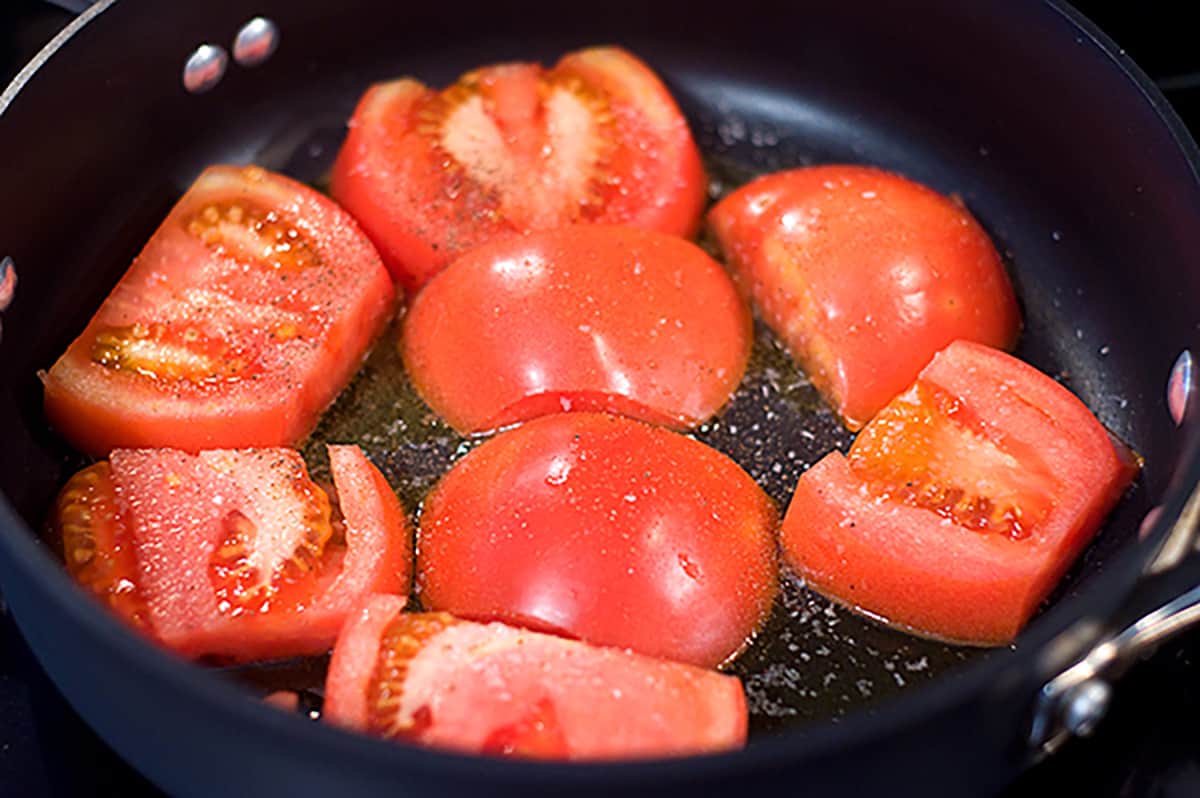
(1086, 211)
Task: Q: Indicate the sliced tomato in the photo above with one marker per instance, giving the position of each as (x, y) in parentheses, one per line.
(865, 275)
(248, 310)
(513, 148)
(589, 317)
(962, 503)
(433, 680)
(235, 554)
(606, 529)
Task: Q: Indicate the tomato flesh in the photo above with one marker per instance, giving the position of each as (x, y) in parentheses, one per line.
(605, 529)
(865, 275)
(434, 680)
(962, 503)
(580, 318)
(247, 311)
(513, 148)
(234, 554)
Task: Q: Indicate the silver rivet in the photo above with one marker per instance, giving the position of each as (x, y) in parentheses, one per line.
(204, 68)
(1180, 386)
(255, 41)
(1085, 706)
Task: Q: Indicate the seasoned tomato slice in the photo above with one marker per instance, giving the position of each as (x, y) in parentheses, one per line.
(513, 148)
(434, 680)
(589, 317)
(236, 554)
(244, 315)
(962, 503)
(606, 529)
(865, 275)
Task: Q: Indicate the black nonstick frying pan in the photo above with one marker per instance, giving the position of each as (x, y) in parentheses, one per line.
(1067, 154)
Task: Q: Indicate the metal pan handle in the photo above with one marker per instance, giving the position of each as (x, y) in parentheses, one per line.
(1166, 602)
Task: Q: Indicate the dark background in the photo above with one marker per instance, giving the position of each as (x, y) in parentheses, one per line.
(1149, 746)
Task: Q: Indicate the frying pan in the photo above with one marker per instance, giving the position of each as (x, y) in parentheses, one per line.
(1059, 144)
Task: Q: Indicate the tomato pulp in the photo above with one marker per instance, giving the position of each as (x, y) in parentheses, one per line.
(513, 148)
(247, 311)
(961, 505)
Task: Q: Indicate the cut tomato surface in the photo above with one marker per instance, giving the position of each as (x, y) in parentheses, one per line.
(234, 553)
(434, 680)
(865, 275)
(248, 310)
(512, 148)
(606, 529)
(961, 505)
(589, 317)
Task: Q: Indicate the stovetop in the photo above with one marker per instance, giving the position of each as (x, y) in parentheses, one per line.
(1148, 746)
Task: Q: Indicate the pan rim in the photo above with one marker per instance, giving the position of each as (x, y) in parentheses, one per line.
(860, 724)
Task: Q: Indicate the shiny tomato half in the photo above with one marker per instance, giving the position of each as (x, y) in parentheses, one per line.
(962, 503)
(248, 310)
(512, 148)
(493, 689)
(865, 275)
(234, 553)
(606, 529)
(588, 317)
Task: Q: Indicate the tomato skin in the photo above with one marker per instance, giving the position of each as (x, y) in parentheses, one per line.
(616, 150)
(589, 317)
(605, 529)
(498, 690)
(865, 275)
(265, 332)
(175, 509)
(880, 552)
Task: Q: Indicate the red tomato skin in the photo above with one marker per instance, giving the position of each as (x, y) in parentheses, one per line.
(918, 570)
(337, 308)
(499, 690)
(588, 317)
(865, 275)
(170, 503)
(423, 207)
(605, 529)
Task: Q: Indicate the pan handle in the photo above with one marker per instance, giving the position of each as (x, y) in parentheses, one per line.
(1165, 602)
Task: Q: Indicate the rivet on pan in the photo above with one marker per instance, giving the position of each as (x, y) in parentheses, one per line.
(1085, 706)
(1180, 386)
(255, 41)
(204, 68)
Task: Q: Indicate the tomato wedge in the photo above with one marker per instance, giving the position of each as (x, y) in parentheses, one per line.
(512, 148)
(433, 680)
(865, 275)
(235, 554)
(248, 310)
(589, 317)
(606, 529)
(962, 503)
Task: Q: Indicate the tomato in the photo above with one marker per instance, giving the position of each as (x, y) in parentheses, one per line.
(512, 148)
(250, 307)
(605, 529)
(962, 503)
(589, 317)
(493, 689)
(865, 275)
(234, 553)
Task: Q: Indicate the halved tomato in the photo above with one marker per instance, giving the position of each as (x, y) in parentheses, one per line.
(248, 310)
(493, 689)
(962, 503)
(513, 148)
(606, 529)
(588, 317)
(865, 275)
(234, 553)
